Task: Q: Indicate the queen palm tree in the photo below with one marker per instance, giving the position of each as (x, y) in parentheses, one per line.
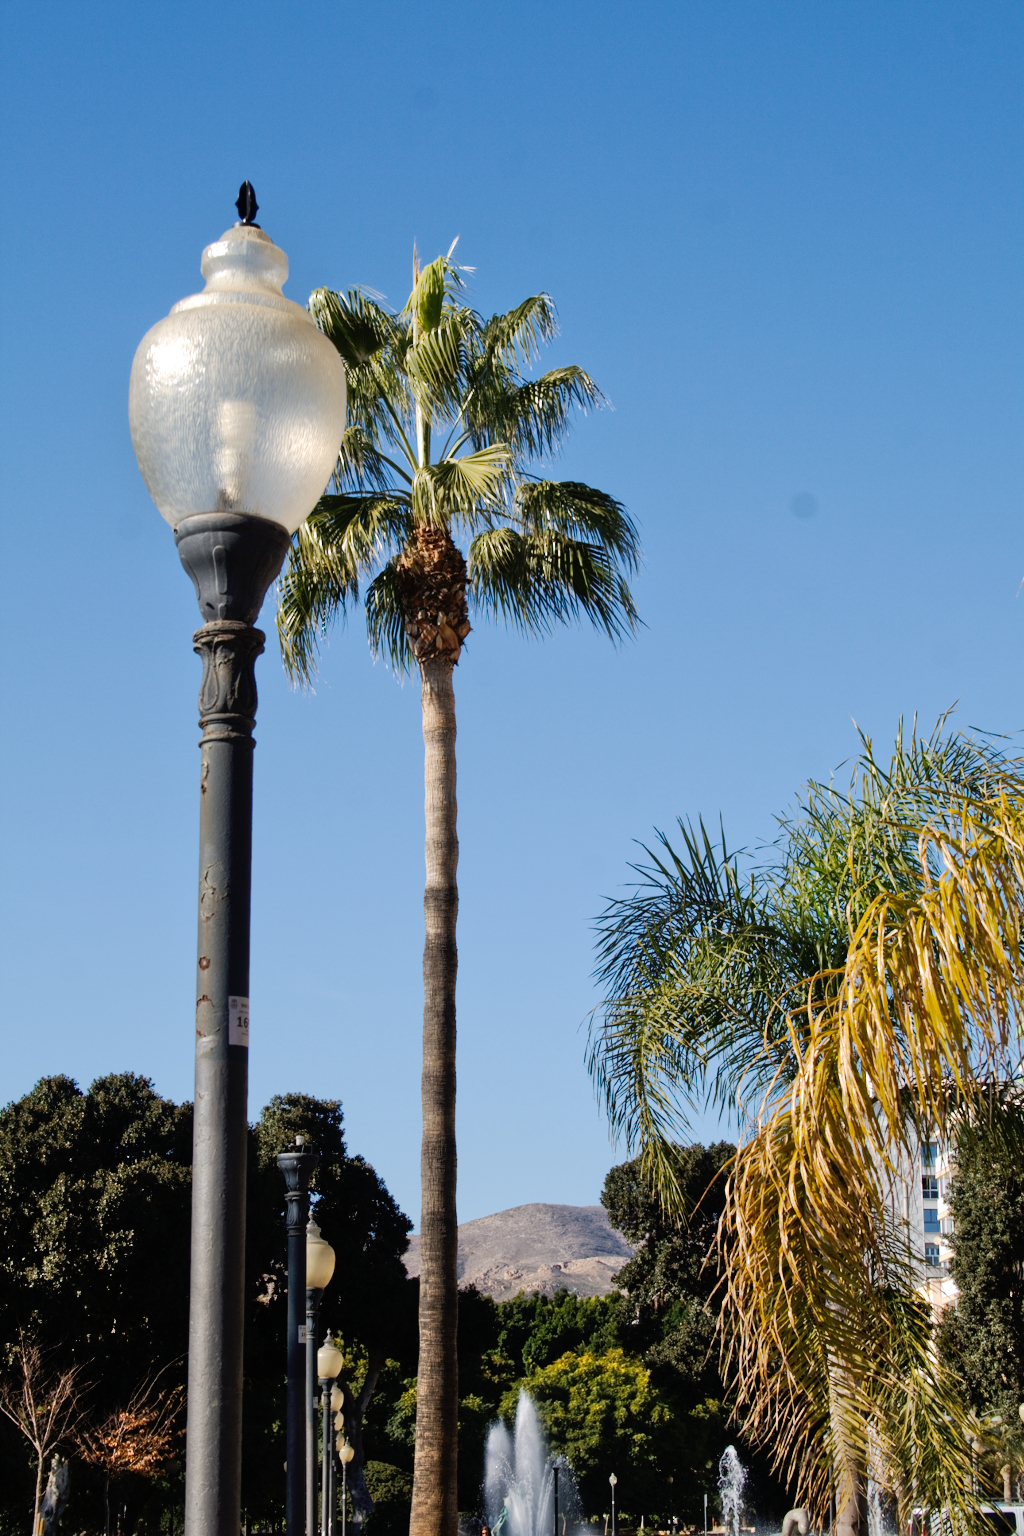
(857, 990)
(445, 419)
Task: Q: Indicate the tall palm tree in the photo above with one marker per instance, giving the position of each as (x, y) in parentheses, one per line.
(444, 421)
(855, 992)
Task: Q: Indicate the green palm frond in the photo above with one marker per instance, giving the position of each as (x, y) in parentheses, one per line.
(385, 619)
(517, 337)
(459, 489)
(354, 322)
(436, 363)
(361, 464)
(342, 539)
(437, 282)
(580, 512)
(532, 416)
(536, 580)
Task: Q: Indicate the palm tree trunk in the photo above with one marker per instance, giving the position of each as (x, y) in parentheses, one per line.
(434, 1495)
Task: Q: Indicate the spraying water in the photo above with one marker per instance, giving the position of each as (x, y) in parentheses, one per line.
(519, 1485)
(732, 1477)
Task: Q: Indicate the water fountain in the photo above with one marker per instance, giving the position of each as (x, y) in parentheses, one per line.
(519, 1485)
(732, 1477)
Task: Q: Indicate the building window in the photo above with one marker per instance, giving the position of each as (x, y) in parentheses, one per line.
(931, 1254)
(928, 1151)
(931, 1218)
(930, 1187)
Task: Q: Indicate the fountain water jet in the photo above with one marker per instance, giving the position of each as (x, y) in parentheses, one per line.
(732, 1477)
(518, 1481)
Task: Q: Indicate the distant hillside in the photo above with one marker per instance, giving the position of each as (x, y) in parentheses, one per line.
(537, 1248)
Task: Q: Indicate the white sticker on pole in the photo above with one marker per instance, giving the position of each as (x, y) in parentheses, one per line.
(238, 1021)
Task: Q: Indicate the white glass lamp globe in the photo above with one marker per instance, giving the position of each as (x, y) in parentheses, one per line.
(319, 1259)
(236, 401)
(345, 1451)
(329, 1361)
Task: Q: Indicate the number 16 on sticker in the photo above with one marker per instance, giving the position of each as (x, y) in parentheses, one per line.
(238, 1021)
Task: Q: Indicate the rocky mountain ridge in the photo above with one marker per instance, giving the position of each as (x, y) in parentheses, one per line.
(537, 1248)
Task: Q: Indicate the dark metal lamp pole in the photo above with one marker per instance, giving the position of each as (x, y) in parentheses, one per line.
(236, 406)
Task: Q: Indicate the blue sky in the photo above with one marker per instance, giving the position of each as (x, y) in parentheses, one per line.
(785, 238)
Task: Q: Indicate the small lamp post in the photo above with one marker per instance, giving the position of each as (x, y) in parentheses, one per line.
(319, 1269)
(671, 1502)
(345, 1455)
(612, 1482)
(329, 1361)
(297, 1167)
(554, 1473)
(337, 1404)
(236, 406)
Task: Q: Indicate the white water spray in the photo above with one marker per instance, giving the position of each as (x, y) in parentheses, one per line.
(732, 1477)
(519, 1485)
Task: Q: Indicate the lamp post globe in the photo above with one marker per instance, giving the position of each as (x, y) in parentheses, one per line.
(236, 406)
(346, 1453)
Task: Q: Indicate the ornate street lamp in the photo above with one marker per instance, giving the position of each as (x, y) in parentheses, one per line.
(612, 1482)
(297, 1167)
(345, 1454)
(329, 1361)
(236, 406)
(337, 1405)
(319, 1269)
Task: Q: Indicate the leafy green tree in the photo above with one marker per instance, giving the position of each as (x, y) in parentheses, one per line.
(831, 991)
(95, 1192)
(445, 421)
(95, 1195)
(982, 1333)
(603, 1413)
(667, 1308)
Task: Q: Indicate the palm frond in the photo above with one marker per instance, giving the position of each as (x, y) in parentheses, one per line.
(385, 620)
(457, 489)
(362, 465)
(341, 540)
(438, 281)
(580, 512)
(532, 416)
(517, 336)
(535, 580)
(436, 363)
(354, 322)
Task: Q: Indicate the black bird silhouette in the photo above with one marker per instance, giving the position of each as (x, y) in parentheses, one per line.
(247, 205)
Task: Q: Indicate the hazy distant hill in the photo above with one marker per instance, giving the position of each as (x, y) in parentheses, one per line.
(537, 1248)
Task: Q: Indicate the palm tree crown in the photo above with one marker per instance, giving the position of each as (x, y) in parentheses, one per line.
(444, 421)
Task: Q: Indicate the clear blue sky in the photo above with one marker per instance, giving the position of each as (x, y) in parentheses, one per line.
(786, 240)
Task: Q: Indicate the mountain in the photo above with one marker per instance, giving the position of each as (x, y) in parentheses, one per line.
(537, 1248)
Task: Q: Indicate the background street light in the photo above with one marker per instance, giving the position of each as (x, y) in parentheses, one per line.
(297, 1167)
(329, 1361)
(337, 1405)
(345, 1455)
(612, 1481)
(236, 406)
(319, 1269)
